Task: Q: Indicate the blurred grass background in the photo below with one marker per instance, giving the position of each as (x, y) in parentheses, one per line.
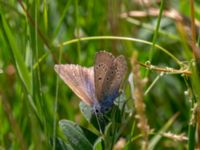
(32, 36)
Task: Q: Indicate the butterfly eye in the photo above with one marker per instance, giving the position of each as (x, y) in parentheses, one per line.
(97, 111)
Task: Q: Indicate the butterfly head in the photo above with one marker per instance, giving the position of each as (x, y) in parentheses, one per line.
(100, 109)
(96, 109)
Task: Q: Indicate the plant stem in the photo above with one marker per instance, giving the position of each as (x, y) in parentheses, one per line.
(124, 39)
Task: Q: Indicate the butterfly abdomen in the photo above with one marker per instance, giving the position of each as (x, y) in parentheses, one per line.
(108, 101)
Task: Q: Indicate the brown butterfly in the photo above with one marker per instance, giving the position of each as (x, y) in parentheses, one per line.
(96, 86)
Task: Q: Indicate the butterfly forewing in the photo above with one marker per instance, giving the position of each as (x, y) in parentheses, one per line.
(80, 80)
(103, 62)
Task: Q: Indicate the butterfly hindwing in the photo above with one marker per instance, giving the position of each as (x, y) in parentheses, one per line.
(80, 80)
(103, 62)
(113, 78)
(120, 72)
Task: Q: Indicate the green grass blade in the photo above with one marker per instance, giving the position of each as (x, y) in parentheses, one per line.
(18, 60)
(17, 57)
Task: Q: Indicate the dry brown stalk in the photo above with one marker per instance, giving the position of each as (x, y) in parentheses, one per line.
(138, 94)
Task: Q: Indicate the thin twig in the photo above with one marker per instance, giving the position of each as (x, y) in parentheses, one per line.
(169, 70)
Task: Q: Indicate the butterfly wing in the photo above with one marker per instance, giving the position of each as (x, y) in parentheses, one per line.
(80, 80)
(120, 69)
(113, 79)
(103, 62)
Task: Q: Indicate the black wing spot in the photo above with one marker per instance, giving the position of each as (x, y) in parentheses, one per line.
(100, 65)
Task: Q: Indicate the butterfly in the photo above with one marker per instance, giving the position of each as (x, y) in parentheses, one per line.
(97, 86)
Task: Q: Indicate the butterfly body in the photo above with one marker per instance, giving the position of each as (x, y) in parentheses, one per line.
(97, 86)
(104, 105)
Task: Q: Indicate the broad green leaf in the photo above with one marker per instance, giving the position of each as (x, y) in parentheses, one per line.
(75, 135)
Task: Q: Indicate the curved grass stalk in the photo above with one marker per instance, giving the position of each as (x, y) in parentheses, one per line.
(123, 39)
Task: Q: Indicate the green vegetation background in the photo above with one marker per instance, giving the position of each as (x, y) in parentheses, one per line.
(32, 40)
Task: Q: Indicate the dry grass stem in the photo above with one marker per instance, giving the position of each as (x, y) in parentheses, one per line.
(139, 101)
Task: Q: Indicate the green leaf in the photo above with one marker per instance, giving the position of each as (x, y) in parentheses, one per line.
(108, 129)
(61, 145)
(76, 135)
(120, 101)
(98, 144)
(91, 118)
(86, 111)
